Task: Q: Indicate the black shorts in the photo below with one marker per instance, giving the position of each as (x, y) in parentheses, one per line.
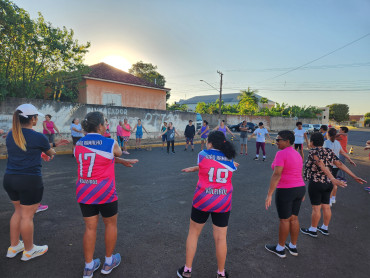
(219, 219)
(75, 139)
(106, 210)
(298, 146)
(27, 189)
(288, 201)
(319, 193)
(334, 171)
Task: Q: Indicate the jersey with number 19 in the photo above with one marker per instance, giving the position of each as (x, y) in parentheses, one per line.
(96, 180)
(214, 188)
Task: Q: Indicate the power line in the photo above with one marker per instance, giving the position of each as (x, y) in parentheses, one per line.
(323, 56)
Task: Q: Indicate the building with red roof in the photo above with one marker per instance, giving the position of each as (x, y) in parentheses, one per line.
(107, 85)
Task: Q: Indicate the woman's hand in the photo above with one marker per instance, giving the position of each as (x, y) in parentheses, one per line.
(190, 169)
(351, 161)
(129, 162)
(359, 180)
(61, 142)
(45, 157)
(339, 183)
(268, 201)
(236, 164)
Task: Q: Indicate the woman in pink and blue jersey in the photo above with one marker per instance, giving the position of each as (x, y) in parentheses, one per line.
(96, 190)
(212, 196)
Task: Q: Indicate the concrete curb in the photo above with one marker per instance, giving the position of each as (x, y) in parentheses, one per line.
(130, 148)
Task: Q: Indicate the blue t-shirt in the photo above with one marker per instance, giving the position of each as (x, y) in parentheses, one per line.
(75, 133)
(26, 162)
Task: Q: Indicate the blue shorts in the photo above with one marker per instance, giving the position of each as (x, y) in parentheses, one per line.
(164, 138)
(139, 135)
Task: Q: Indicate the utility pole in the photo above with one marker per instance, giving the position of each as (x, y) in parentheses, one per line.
(220, 99)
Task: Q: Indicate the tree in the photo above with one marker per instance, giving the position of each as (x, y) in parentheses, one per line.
(177, 107)
(367, 115)
(248, 102)
(339, 112)
(149, 72)
(33, 51)
(201, 108)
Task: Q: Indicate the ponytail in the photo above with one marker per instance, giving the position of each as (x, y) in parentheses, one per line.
(228, 149)
(17, 133)
(219, 142)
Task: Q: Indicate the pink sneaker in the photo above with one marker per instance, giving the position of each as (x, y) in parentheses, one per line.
(42, 208)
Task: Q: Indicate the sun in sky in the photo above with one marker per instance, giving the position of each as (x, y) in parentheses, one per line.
(118, 62)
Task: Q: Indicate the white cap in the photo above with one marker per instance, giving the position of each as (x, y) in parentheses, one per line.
(28, 109)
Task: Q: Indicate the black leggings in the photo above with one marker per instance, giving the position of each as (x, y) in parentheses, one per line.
(168, 146)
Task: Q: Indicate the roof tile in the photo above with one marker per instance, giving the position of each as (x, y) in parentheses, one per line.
(107, 72)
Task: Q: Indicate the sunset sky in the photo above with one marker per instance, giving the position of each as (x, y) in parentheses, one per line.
(251, 42)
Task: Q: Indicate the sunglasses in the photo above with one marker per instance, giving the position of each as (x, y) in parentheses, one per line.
(278, 140)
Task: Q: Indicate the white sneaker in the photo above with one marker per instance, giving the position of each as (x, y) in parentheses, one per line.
(14, 250)
(34, 252)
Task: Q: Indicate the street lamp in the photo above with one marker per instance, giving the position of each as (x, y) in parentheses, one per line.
(220, 91)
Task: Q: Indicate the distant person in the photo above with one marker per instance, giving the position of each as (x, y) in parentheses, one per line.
(324, 130)
(189, 135)
(126, 135)
(96, 156)
(120, 135)
(164, 136)
(300, 136)
(335, 146)
(290, 190)
(243, 137)
(213, 196)
(139, 133)
(170, 133)
(223, 128)
(49, 128)
(107, 132)
(76, 132)
(204, 131)
(261, 132)
(317, 171)
(342, 137)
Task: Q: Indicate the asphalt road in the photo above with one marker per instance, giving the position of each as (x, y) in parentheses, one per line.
(154, 209)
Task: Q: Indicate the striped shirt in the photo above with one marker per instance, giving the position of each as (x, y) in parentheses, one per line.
(96, 180)
(214, 189)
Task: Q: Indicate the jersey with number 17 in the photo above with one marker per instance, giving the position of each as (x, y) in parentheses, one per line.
(96, 180)
(214, 188)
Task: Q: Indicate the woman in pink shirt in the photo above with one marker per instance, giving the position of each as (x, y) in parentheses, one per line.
(126, 133)
(49, 127)
(120, 135)
(290, 190)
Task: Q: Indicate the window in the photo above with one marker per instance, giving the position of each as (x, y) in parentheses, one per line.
(112, 99)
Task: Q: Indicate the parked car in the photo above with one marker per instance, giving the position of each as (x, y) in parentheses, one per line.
(308, 128)
(251, 127)
(316, 127)
(199, 121)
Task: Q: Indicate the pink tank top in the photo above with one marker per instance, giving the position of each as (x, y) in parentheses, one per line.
(214, 188)
(126, 133)
(49, 126)
(96, 181)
